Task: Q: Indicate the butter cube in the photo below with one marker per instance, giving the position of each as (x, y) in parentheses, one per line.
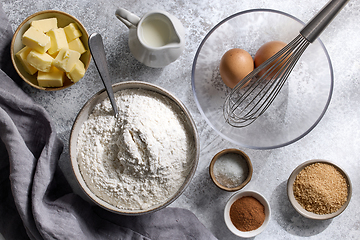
(40, 61)
(53, 55)
(37, 40)
(53, 78)
(44, 25)
(58, 40)
(22, 56)
(72, 32)
(77, 72)
(66, 59)
(77, 45)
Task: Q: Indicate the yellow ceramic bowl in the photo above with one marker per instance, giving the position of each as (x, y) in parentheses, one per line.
(63, 20)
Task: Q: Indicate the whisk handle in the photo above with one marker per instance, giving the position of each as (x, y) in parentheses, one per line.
(321, 20)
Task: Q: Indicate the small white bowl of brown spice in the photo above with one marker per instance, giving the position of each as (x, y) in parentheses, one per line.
(319, 189)
(247, 213)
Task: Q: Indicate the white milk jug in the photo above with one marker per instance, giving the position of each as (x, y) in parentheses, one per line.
(157, 39)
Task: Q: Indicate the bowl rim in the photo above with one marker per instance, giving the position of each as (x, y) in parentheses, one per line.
(73, 139)
(261, 199)
(299, 208)
(217, 130)
(247, 160)
(12, 53)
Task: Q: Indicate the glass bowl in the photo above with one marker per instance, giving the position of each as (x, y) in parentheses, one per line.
(302, 101)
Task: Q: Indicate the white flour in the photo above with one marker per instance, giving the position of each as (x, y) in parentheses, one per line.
(139, 159)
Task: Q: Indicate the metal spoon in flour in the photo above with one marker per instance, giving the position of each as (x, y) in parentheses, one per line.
(97, 50)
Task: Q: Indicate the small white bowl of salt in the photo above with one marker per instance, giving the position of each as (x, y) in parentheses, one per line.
(231, 169)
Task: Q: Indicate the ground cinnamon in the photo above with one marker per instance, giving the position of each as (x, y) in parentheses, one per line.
(247, 213)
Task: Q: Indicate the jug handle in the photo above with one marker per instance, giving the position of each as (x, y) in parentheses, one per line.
(127, 17)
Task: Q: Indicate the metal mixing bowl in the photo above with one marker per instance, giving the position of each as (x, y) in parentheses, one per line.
(83, 116)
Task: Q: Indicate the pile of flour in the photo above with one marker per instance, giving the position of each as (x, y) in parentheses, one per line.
(142, 157)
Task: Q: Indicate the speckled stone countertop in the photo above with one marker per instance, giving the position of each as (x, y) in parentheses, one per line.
(335, 138)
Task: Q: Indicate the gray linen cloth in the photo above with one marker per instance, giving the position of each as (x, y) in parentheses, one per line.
(36, 202)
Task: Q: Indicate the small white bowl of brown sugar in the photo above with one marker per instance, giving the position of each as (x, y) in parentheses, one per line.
(319, 189)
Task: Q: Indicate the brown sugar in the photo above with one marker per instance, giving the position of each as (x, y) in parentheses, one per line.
(320, 188)
(247, 213)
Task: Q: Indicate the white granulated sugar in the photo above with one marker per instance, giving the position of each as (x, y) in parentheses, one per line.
(142, 157)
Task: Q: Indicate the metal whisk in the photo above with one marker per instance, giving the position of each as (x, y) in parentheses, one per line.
(245, 103)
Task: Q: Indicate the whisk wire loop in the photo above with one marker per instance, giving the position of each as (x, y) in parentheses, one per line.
(285, 72)
(245, 104)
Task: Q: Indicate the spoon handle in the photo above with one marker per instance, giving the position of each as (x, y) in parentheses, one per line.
(98, 53)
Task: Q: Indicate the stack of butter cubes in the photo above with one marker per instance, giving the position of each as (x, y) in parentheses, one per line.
(52, 52)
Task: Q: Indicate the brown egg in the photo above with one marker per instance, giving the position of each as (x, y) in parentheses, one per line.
(265, 52)
(235, 64)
